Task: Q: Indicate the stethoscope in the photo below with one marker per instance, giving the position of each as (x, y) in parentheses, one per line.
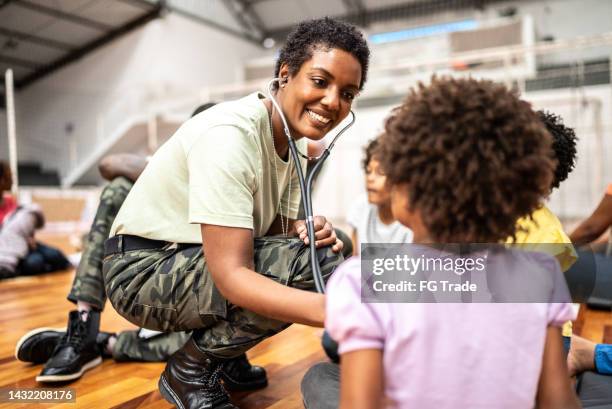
(306, 185)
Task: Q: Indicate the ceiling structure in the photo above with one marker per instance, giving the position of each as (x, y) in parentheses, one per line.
(38, 37)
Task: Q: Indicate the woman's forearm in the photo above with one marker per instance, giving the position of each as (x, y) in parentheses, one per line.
(264, 296)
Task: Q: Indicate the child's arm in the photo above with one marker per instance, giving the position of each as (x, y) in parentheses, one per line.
(361, 379)
(355, 240)
(554, 388)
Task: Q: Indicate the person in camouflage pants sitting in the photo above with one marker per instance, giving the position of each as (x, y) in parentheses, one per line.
(68, 353)
(208, 238)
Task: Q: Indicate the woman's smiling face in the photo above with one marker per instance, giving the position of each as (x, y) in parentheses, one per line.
(319, 95)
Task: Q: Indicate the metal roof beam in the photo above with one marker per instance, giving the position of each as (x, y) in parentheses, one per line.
(63, 16)
(244, 14)
(31, 65)
(141, 4)
(36, 40)
(87, 48)
(213, 24)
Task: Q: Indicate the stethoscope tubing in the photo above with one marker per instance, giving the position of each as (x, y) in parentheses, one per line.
(306, 186)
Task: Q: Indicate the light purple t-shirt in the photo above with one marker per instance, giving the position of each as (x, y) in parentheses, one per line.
(476, 356)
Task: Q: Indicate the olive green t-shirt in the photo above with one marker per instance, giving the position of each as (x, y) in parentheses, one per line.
(218, 168)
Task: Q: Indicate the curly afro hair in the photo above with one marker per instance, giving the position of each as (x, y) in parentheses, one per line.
(564, 145)
(474, 156)
(370, 152)
(323, 33)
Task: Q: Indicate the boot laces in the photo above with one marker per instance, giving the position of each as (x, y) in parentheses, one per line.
(74, 335)
(213, 383)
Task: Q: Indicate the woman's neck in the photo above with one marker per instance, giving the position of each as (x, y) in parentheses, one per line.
(281, 145)
(384, 213)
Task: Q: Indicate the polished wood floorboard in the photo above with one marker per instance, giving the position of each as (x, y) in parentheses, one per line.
(31, 302)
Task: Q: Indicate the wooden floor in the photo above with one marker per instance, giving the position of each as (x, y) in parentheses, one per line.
(30, 302)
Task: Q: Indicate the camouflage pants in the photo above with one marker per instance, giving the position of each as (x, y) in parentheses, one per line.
(88, 284)
(131, 347)
(171, 289)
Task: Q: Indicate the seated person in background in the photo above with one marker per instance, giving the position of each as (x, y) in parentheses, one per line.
(454, 178)
(20, 253)
(372, 222)
(542, 230)
(370, 217)
(68, 354)
(597, 223)
(7, 202)
(585, 355)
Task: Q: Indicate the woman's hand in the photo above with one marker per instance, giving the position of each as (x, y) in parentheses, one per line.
(325, 235)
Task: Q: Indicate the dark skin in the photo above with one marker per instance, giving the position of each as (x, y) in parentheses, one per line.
(595, 225)
(6, 180)
(314, 99)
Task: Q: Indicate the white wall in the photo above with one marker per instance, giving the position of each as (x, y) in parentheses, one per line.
(168, 56)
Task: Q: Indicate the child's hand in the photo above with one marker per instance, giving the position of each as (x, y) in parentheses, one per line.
(325, 234)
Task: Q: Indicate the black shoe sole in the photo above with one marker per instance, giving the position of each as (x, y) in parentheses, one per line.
(26, 337)
(167, 393)
(237, 386)
(70, 377)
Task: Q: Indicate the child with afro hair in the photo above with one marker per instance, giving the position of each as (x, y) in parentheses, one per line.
(464, 159)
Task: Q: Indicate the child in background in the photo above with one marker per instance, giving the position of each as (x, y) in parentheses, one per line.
(20, 253)
(465, 159)
(542, 226)
(542, 230)
(7, 202)
(371, 220)
(370, 217)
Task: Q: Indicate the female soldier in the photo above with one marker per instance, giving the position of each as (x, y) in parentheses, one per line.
(222, 186)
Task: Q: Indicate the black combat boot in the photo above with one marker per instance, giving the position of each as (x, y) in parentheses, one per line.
(191, 380)
(239, 375)
(37, 346)
(76, 351)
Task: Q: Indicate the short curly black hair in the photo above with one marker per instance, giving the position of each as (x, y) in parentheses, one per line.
(327, 33)
(370, 152)
(474, 156)
(564, 145)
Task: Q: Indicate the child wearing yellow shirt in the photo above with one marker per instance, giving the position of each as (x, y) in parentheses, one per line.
(542, 230)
